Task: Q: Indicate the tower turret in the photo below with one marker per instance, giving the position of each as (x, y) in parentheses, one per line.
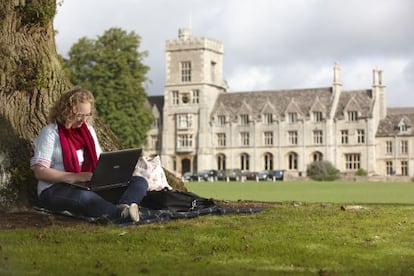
(194, 79)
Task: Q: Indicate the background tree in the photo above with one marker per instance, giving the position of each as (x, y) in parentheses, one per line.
(31, 79)
(112, 68)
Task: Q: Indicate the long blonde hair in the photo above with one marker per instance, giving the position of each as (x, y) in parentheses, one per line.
(65, 108)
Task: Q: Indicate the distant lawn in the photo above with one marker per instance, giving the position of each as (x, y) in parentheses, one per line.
(308, 191)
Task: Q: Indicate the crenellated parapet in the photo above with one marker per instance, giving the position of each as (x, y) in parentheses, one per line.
(186, 41)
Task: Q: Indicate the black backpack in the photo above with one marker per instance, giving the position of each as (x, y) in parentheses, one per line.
(175, 201)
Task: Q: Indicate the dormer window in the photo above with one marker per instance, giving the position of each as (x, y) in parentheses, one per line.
(292, 117)
(267, 118)
(352, 116)
(403, 127)
(244, 119)
(317, 116)
(221, 120)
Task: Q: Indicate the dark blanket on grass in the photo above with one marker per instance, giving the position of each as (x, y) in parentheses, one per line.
(148, 216)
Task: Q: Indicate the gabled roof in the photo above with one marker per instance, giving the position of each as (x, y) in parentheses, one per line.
(156, 102)
(317, 106)
(267, 107)
(221, 110)
(293, 107)
(405, 121)
(352, 105)
(155, 111)
(395, 115)
(303, 101)
(278, 100)
(358, 100)
(244, 108)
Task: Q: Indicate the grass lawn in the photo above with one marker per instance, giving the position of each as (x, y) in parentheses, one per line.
(305, 238)
(308, 191)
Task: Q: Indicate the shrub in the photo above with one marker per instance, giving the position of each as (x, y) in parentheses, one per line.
(361, 172)
(322, 171)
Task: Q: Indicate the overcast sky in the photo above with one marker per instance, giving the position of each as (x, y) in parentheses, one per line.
(268, 44)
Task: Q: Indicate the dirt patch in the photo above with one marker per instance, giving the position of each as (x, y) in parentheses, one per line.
(34, 219)
(38, 219)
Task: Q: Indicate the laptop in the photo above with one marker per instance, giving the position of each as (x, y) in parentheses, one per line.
(114, 169)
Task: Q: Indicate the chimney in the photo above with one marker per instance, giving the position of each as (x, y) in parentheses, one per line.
(337, 74)
(379, 90)
(336, 89)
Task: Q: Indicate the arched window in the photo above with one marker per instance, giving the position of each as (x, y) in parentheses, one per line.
(221, 162)
(317, 156)
(293, 161)
(244, 158)
(268, 161)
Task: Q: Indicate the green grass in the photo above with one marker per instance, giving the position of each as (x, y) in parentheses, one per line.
(308, 191)
(308, 238)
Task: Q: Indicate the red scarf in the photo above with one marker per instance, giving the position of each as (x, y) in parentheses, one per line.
(73, 139)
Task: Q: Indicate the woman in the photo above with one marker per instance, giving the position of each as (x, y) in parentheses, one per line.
(66, 152)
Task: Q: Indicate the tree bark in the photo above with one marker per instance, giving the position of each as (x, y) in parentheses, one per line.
(31, 79)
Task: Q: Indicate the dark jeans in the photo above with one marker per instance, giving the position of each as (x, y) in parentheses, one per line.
(65, 197)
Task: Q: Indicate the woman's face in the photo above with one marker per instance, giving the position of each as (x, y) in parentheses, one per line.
(83, 113)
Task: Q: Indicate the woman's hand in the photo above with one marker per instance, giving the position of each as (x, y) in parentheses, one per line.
(82, 177)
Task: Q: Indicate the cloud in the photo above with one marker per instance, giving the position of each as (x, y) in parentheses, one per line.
(408, 72)
(268, 44)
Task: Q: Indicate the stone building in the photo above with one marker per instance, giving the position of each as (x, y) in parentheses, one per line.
(201, 125)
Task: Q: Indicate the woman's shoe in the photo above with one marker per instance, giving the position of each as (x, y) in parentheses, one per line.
(134, 212)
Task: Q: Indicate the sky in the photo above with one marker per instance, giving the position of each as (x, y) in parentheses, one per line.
(268, 44)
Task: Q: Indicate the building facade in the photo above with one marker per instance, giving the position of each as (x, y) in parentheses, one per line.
(201, 125)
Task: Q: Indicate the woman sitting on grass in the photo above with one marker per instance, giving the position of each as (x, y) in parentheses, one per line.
(66, 152)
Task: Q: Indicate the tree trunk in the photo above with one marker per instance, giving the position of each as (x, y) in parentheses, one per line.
(31, 79)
